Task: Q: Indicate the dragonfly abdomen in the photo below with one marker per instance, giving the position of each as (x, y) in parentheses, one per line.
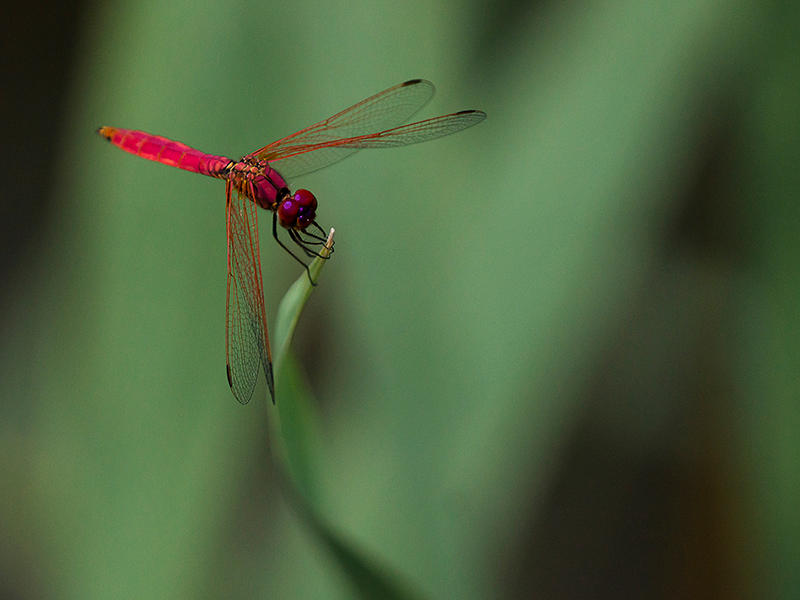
(166, 151)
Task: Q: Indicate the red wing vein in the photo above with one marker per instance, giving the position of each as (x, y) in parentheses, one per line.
(295, 160)
(246, 327)
(382, 111)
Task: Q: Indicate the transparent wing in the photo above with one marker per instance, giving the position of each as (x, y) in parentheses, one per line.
(384, 110)
(247, 341)
(293, 160)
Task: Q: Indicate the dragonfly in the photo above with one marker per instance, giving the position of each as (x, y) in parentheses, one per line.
(259, 180)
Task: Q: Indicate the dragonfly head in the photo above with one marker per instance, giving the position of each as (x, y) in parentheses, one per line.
(297, 211)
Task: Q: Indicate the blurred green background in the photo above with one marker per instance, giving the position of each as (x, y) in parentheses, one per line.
(556, 355)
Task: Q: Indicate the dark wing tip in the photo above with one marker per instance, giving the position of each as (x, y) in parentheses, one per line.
(239, 399)
(477, 113)
(412, 82)
(270, 381)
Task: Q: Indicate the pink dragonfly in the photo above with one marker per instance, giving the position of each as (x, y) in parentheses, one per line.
(259, 180)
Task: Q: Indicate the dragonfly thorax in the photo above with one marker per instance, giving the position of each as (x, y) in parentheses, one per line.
(257, 180)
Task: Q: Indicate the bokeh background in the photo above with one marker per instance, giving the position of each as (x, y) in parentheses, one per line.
(556, 355)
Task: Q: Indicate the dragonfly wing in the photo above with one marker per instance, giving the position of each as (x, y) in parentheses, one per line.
(412, 133)
(247, 341)
(293, 160)
(384, 110)
(303, 161)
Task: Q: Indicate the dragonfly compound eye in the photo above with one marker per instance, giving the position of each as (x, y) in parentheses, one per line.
(298, 211)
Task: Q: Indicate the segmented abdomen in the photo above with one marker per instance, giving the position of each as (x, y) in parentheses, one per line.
(164, 150)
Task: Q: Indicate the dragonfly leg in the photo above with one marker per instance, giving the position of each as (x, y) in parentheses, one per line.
(305, 244)
(322, 238)
(301, 242)
(285, 247)
(313, 240)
